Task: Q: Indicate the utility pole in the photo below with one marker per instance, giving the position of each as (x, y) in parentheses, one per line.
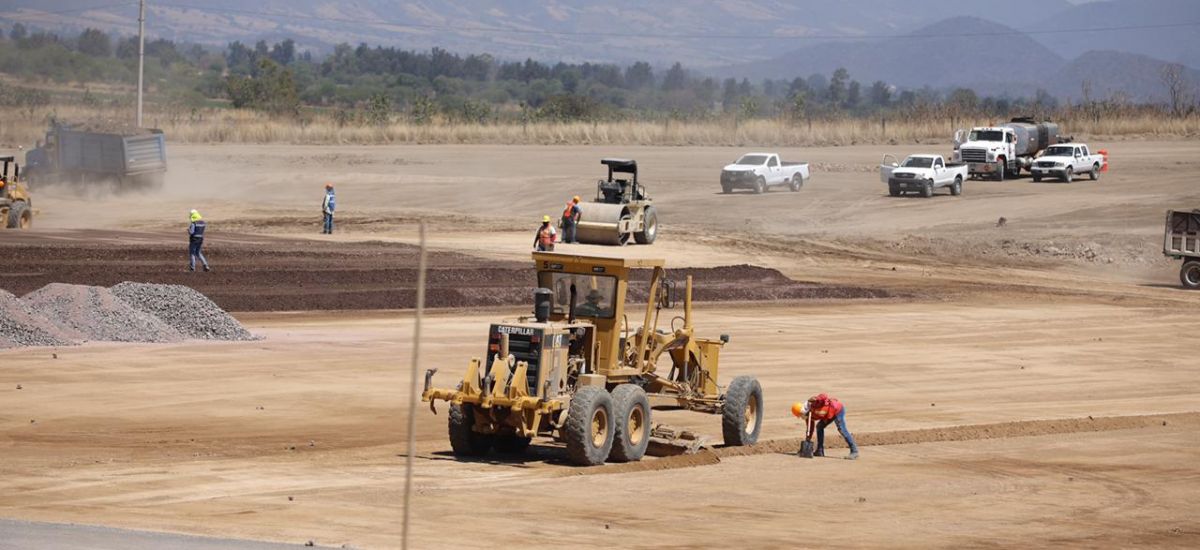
(141, 56)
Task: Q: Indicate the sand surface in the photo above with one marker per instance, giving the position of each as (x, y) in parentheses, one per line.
(1029, 384)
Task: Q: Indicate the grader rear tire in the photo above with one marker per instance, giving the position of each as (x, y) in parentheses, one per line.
(741, 418)
(589, 429)
(19, 216)
(465, 441)
(631, 426)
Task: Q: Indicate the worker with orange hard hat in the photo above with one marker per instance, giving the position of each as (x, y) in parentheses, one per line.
(820, 411)
(570, 220)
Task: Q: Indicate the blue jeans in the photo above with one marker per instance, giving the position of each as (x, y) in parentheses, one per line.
(328, 223)
(569, 226)
(194, 252)
(840, 420)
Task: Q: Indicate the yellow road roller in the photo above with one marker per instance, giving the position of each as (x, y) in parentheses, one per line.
(622, 210)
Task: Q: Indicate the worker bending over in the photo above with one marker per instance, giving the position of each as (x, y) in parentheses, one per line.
(820, 411)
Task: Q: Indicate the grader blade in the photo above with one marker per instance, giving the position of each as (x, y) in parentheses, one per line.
(668, 441)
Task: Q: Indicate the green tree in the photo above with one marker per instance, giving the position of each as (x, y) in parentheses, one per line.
(19, 32)
(379, 110)
(273, 89)
(95, 43)
(837, 86)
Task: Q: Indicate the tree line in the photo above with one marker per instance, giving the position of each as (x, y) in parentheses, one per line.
(374, 85)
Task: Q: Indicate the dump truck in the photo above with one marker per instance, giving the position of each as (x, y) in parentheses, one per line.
(622, 210)
(16, 206)
(128, 159)
(1002, 151)
(577, 372)
(1182, 242)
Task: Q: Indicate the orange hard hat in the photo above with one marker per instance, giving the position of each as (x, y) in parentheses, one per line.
(575, 198)
(329, 186)
(797, 409)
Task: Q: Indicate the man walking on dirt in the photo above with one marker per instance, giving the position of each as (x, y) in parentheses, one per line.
(820, 411)
(543, 241)
(196, 241)
(327, 207)
(570, 220)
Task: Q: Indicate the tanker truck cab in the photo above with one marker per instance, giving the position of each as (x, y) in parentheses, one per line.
(988, 151)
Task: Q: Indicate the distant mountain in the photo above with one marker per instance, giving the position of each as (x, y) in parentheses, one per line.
(953, 52)
(1111, 73)
(699, 33)
(1173, 44)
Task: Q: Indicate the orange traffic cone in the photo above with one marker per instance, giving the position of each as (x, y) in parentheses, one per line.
(1104, 153)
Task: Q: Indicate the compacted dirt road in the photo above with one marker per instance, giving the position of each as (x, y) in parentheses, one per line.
(1028, 382)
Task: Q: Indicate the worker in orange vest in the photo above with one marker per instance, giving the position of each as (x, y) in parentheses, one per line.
(543, 241)
(820, 411)
(570, 220)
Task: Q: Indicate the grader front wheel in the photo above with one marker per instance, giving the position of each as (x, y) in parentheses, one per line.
(589, 429)
(465, 441)
(741, 419)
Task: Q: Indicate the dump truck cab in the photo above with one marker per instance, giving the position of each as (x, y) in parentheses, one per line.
(16, 205)
(578, 372)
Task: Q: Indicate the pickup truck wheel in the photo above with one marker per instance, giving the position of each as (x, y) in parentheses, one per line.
(894, 190)
(726, 189)
(956, 189)
(1095, 173)
(760, 185)
(1189, 275)
(1069, 174)
(1036, 178)
(927, 190)
(797, 182)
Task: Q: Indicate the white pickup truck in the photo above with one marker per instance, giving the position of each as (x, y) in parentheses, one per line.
(922, 174)
(762, 171)
(1065, 161)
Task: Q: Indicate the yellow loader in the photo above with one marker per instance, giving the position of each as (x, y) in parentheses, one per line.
(577, 371)
(16, 206)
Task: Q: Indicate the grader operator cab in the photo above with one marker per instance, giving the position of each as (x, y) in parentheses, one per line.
(578, 372)
(621, 211)
(16, 206)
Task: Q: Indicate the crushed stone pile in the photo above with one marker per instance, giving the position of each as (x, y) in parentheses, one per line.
(184, 309)
(98, 314)
(21, 325)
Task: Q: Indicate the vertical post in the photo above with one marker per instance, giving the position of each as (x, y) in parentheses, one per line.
(141, 57)
(412, 391)
(687, 305)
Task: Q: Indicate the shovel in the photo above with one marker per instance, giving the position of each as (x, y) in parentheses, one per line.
(806, 449)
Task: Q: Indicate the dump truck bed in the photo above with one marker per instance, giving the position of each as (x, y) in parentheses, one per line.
(1182, 235)
(111, 154)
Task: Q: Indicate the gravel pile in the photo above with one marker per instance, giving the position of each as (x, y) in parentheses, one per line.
(187, 311)
(98, 314)
(21, 326)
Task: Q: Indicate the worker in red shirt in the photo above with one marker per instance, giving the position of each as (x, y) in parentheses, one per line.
(820, 411)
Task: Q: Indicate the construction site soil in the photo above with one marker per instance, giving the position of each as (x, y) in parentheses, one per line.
(1031, 382)
(263, 273)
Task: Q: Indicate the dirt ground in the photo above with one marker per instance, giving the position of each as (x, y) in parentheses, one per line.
(1030, 382)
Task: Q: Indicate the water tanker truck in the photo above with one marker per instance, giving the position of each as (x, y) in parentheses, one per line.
(1003, 151)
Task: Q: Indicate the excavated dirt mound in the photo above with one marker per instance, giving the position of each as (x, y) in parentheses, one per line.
(98, 314)
(21, 325)
(256, 273)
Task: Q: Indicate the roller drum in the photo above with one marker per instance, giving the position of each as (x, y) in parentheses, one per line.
(601, 223)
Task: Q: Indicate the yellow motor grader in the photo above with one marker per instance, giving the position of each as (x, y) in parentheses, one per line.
(16, 206)
(578, 372)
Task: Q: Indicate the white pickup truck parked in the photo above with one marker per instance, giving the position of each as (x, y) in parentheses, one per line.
(762, 171)
(1065, 161)
(922, 174)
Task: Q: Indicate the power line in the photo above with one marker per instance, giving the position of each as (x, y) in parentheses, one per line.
(689, 36)
(85, 8)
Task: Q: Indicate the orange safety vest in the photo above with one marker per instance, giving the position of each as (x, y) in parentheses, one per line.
(827, 409)
(568, 213)
(545, 236)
